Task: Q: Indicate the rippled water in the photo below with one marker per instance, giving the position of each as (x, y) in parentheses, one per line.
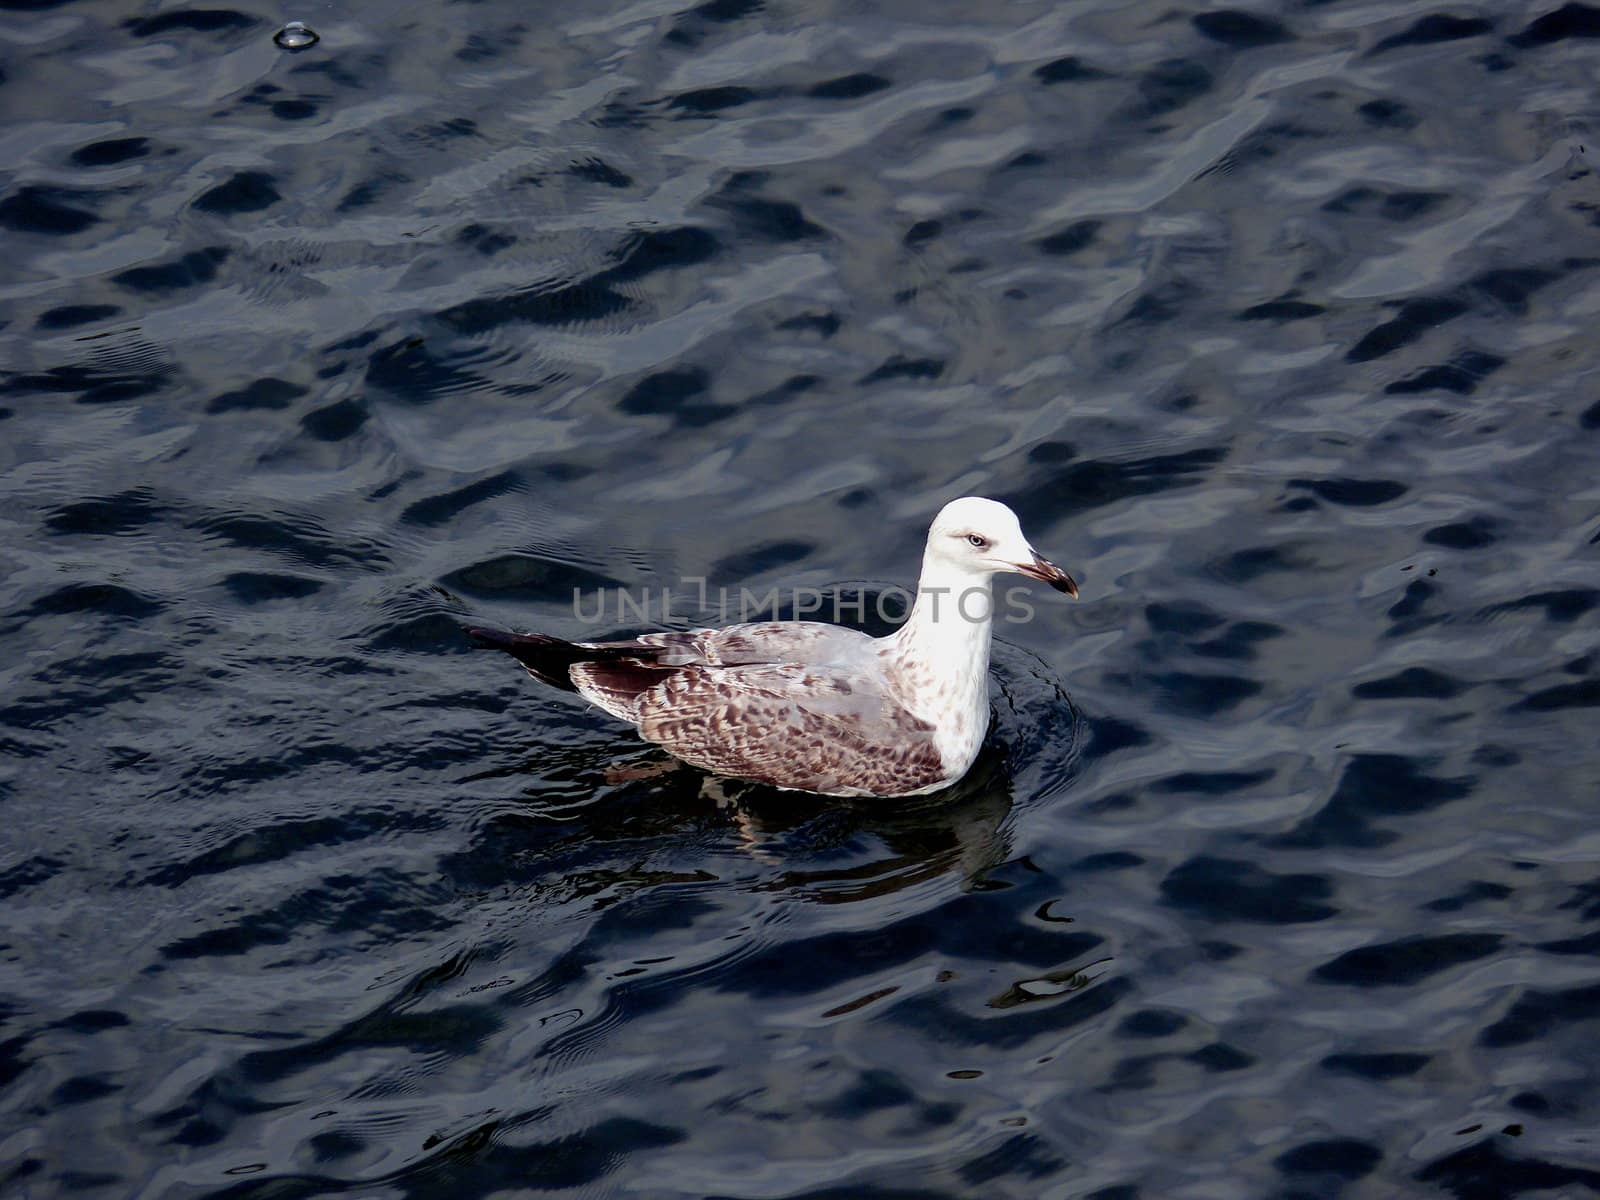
(1280, 876)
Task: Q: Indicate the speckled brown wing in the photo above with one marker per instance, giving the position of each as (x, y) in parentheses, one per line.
(790, 726)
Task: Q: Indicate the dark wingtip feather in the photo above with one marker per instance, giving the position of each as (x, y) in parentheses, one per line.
(546, 658)
(490, 639)
(550, 659)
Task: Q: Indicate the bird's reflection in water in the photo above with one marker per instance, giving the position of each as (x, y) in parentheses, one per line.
(875, 847)
(586, 809)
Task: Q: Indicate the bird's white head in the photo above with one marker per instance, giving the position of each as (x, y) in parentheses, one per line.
(979, 537)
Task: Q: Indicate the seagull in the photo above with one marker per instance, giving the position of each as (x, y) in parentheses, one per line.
(813, 707)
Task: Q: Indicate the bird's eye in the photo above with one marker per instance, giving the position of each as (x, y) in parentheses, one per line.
(978, 541)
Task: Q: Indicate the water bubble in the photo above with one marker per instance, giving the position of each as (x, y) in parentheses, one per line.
(296, 35)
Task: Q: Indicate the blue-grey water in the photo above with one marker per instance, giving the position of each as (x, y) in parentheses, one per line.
(1276, 324)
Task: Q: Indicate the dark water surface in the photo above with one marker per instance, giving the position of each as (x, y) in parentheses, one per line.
(1276, 326)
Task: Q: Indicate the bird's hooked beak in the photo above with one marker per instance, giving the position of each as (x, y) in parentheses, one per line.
(1046, 571)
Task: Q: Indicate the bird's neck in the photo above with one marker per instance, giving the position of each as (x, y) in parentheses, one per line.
(952, 614)
(942, 652)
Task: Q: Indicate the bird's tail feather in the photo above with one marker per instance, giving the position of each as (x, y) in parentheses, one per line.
(548, 659)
